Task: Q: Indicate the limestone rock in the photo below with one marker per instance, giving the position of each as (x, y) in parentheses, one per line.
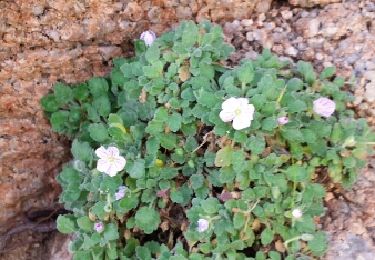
(311, 3)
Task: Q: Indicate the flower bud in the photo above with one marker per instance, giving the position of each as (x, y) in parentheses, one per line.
(148, 37)
(324, 107)
(202, 225)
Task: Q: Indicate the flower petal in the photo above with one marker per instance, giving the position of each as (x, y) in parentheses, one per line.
(247, 111)
(113, 151)
(242, 101)
(103, 165)
(241, 122)
(119, 163)
(111, 171)
(230, 104)
(101, 152)
(226, 116)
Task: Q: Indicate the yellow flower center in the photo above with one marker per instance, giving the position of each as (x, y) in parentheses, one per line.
(237, 112)
(111, 159)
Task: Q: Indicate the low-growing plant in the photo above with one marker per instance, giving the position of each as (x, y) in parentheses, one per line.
(176, 156)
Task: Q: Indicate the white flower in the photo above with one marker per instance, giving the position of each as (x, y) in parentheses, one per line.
(148, 37)
(110, 160)
(237, 110)
(282, 120)
(202, 225)
(120, 193)
(297, 213)
(324, 107)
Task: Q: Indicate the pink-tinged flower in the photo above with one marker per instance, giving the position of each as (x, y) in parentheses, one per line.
(120, 193)
(110, 161)
(148, 37)
(202, 225)
(324, 107)
(297, 213)
(239, 111)
(282, 120)
(163, 193)
(226, 195)
(99, 227)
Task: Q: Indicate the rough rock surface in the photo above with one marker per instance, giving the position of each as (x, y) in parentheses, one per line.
(350, 221)
(311, 3)
(45, 41)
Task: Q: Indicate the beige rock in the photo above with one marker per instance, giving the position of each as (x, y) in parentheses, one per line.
(311, 3)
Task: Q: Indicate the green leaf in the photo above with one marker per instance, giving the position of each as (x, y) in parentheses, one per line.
(307, 70)
(81, 150)
(182, 195)
(65, 225)
(292, 135)
(147, 219)
(143, 253)
(246, 72)
(210, 205)
(238, 220)
(174, 122)
(328, 72)
(128, 203)
(207, 99)
(59, 120)
(137, 171)
(69, 175)
(63, 93)
(85, 223)
(98, 210)
(98, 132)
(297, 173)
(49, 103)
(319, 244)
(139, 47)
(267, 236)
(294, 84)
(296, 106)
(154, 71)
(81, 92)
(81, 255)
(98, 86)
(256, 144)
(102, 105)
(110, 232)
(168, 141)
(224, 157)
(196, 181)
(152, 54)
(308, 135)
(269, 123)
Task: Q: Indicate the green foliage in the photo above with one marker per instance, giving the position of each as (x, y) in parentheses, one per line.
(183, 163)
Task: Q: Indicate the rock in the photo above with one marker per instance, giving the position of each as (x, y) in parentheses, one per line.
(291, 51)
(287, 14)
(311, 3)
(330, 30)
(319, 56)
(58, 247)
(370, 92)
(369, 75)
(249, 36)
(370, 65)
(308, 27)
(247, 22)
